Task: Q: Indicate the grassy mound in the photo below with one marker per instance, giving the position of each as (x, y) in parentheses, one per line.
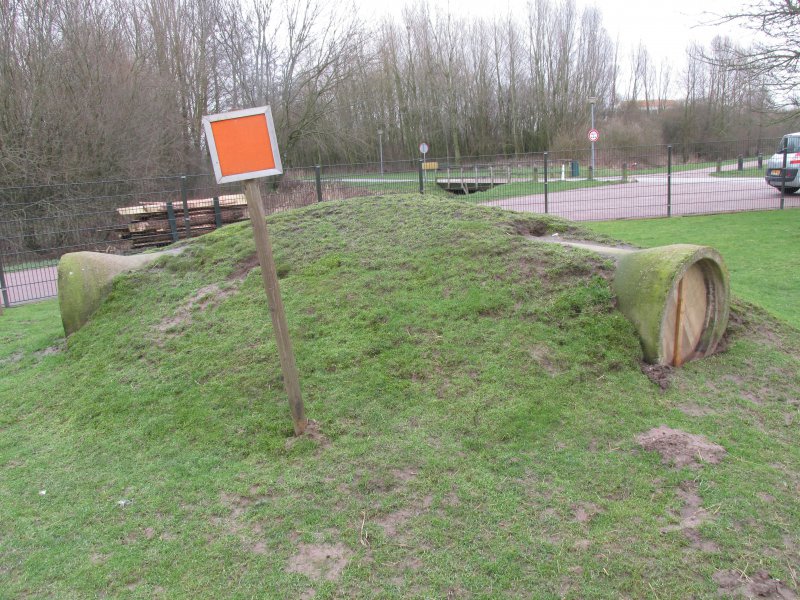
(480, 407)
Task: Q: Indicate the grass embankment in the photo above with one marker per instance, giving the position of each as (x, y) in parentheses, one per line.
(478, 399)
(761, 249)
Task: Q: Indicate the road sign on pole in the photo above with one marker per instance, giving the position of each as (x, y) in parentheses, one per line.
(244, 147)
(423, 148)
(594, 135)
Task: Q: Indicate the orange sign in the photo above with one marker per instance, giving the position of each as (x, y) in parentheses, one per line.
(242, 144)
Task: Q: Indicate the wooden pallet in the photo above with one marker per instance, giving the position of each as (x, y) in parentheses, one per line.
(150, 224)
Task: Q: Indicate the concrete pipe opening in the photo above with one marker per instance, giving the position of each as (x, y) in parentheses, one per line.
(678, 298)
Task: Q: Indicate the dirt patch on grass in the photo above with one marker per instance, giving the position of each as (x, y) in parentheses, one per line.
(529, 227)
(543, 356)
(314, 433)
(585, 512)
(320, 561)
(396, 521)
(658, 374)
(679, 448)
(695, 410)
(50, 351)
(234, 524)
(13, 359)
(759, 585)
(242, 269)
(206, 297)
(692, 516)
(404, 475)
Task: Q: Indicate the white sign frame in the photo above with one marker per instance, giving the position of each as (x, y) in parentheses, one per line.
(235, 114)
(596, 135)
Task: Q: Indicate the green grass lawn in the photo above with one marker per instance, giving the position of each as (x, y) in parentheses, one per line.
(752, 172)
(761, 250)
(477, 400)
(513, 190)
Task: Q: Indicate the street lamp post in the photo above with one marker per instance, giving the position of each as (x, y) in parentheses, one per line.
(380, 146)
(592, 101)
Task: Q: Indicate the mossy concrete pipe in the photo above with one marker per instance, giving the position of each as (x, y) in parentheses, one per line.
(677, 297)
(85, 279)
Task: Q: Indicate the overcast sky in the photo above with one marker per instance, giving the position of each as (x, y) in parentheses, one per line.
(666, 27)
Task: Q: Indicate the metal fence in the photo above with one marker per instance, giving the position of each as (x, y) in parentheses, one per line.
(40, 223)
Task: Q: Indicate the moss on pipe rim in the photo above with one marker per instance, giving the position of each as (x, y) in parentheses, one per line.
(644, 281)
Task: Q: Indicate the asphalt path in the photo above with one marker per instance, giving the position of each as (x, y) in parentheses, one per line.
(645, 196)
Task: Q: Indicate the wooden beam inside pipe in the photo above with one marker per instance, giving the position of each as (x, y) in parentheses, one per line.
(677, 297)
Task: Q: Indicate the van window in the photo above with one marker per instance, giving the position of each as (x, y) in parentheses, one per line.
(792, 143)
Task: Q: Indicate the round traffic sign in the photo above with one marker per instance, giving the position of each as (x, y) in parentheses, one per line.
(423, 148)
(594, 135)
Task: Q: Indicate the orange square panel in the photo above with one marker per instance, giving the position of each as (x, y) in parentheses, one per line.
(242, 144)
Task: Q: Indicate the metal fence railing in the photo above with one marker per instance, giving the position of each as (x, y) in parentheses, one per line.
(40, 223)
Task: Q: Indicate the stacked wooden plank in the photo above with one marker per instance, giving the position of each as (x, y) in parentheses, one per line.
(150, 225)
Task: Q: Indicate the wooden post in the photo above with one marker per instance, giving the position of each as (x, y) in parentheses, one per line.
(677, 358)
(291, 378)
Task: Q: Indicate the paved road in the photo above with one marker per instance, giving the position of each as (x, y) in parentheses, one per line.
(693, 193)
(31, 284)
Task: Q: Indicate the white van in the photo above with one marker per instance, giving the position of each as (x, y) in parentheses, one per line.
(791, 177)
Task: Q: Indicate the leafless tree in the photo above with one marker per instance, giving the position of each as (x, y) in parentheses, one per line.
(775, 59)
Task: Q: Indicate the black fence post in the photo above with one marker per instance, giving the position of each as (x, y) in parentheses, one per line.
(3, 287)
(545, 183)
(740, 163)
(669, 181)
(185, 199)
(760, 160)
(217, 213)
(173, 225)
(318, 179)
(783, 172)
(421, 177)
